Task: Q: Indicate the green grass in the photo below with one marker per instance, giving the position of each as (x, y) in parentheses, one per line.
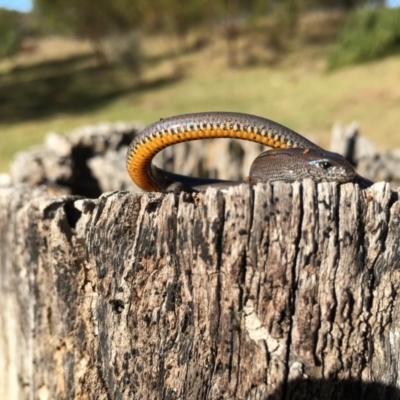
(298, 93)
(369, 34)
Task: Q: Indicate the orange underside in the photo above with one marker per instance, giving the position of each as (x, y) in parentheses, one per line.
(140, 158)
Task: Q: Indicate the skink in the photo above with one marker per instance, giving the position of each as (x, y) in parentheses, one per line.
(293, 158)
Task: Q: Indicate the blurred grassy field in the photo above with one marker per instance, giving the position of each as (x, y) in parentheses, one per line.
(60, 86)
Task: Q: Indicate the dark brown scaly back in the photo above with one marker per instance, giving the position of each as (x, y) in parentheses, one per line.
(169, 131)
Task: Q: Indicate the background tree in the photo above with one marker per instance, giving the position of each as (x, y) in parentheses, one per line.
(10, 32)
(231, 17)
(85, 19)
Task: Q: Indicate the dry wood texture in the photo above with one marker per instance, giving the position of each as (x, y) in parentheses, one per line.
(281, 292)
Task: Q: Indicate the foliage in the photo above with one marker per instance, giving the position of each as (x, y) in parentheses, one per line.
(10, 32)
(112, 18)
(344, 4)
(86, 19)
(96, 20)
(368, 34)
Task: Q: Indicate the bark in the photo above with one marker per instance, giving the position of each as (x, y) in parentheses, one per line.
(281, 292)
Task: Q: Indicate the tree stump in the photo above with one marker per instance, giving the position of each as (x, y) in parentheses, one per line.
(277, 292)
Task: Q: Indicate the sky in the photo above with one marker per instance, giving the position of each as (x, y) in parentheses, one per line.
(26, 5)
(19, 5)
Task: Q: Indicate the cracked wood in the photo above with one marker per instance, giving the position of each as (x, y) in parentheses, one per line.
(278, 292)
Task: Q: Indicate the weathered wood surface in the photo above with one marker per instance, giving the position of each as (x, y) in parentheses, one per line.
(287, 291)
(362, 153)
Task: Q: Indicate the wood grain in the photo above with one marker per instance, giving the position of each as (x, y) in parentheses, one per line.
(277, 292)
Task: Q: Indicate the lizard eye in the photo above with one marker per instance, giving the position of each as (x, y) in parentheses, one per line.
(324, 164)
